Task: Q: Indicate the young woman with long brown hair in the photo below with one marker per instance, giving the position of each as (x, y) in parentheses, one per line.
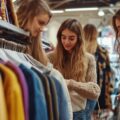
(76, 65)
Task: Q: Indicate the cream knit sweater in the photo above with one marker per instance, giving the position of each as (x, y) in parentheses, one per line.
(83, 90)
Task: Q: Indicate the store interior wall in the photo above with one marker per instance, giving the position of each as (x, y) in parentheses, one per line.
(83, 16)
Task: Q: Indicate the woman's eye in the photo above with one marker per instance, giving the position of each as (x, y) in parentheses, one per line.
(63, 37)
(71, 38)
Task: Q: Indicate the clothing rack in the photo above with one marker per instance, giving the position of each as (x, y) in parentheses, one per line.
(48, 97)
(12, 33)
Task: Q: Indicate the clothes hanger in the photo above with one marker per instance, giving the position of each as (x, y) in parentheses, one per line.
(12, 45)
(42, 68)
(13, 33)
(14, 57)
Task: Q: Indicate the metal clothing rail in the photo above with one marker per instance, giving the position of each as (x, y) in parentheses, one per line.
(12, 33)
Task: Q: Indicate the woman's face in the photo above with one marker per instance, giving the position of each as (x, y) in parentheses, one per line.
(68, 39)
(37, 24)
(117, 22)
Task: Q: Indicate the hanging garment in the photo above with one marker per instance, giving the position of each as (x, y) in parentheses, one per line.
(37, 102)
(47, 92)
(51, 95)
(6, 44)
(103, 78)
(23, 85)
(3, 10)
(54, 98)
(3, 110)
(13, 94)
(65, 107)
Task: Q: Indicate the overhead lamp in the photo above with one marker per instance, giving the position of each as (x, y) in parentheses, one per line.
(101, 13)
(81, 9)
(57, 11)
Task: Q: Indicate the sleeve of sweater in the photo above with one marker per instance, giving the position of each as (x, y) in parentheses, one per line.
(90, 89)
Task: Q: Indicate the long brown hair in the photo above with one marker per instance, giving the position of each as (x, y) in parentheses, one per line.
(71, 65)
(117, 42)
(91, 34)
(27, 10)
(116, 16)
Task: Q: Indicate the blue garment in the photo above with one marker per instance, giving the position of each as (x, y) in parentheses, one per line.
(47, 92)
(85, 114)
(65, 107)
(62, 100)
(37, 109)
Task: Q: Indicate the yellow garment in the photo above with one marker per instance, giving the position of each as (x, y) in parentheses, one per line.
(13, 94)
(3, 110)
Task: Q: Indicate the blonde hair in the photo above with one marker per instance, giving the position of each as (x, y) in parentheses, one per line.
(27, 10)
(71, 65)
(90, 33)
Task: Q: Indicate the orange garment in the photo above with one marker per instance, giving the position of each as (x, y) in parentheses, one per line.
(3, 10)
(3, 110)
(13, 94)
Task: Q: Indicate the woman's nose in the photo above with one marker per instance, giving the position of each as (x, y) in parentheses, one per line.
(67, 41)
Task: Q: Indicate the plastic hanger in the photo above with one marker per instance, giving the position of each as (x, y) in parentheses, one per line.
(14, 57)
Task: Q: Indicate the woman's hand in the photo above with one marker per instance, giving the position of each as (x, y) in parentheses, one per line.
(70, 83)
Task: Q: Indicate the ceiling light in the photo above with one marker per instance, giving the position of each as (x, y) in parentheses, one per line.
(57, 11)
(101, 13)
(81, 9)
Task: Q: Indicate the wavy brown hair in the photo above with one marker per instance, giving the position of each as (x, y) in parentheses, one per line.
(117, 42)
(27, 10)
(71, 65)
(91, 34)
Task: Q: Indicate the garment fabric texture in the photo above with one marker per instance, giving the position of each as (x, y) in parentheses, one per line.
(37, 101)
(87, 83)
(54, 98)
(23, 85)
(13, 94)
(3, 108)
(103, 78)
(48, 96)
(65, 107)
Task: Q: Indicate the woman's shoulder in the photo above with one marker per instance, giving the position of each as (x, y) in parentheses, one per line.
(91, 59)
(90, 56)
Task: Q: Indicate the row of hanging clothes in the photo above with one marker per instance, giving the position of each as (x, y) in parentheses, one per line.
(28, 89)
(7, 12)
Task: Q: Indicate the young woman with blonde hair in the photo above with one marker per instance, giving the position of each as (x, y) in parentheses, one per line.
(103, 66)
(76, 65)
(33, 16)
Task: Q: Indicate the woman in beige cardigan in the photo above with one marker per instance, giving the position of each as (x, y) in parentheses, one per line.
(76, 65)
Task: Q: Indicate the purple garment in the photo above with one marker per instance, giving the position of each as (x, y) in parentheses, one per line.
(23, 86)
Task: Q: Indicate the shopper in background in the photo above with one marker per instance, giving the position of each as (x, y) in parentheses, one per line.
(103, 66)
(77, 66)
(33, 16)
(116, 26)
